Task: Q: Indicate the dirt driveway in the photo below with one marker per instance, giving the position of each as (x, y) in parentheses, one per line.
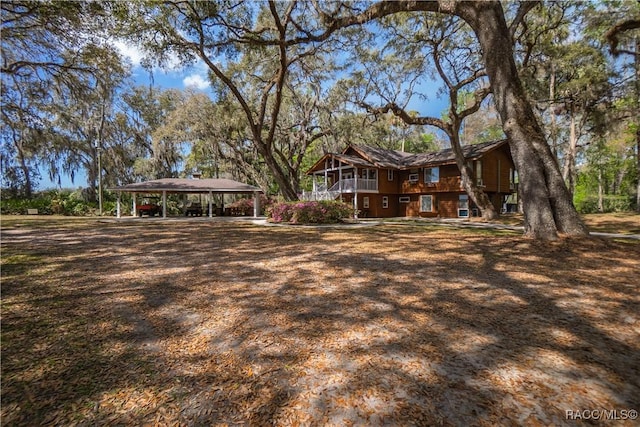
(208, 323)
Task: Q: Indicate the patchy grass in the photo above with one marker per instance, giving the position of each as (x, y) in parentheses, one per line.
(47, 221)
(201, 323)
(617, 223)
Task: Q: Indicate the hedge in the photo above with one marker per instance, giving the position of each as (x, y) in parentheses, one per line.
(610, 203)
(314, 212)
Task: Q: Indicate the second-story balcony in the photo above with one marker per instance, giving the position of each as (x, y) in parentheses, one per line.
(353, 185)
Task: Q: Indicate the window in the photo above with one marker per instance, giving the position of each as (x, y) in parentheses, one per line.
(365, 203)
(368, 173)
(463, 206)
(413, 177)
(432, 175)
(426, 203)
(385, 202)
(404, 199)
(390, 175)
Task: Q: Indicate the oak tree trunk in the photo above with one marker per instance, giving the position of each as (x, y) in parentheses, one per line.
(568, 172)
(637, 84)
(28, 185)
(600, 191)
(476, 194)
(284, 183)
(638, 169)
(546, 202)
(553, 127)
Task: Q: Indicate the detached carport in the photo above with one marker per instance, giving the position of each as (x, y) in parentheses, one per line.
(208, 186)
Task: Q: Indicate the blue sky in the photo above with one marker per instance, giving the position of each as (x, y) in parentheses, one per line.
(175, 76)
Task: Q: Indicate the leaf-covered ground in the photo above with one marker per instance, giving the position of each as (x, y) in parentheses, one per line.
(208, 323)
(616, 223)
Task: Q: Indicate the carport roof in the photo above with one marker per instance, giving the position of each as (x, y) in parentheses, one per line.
(183, 185)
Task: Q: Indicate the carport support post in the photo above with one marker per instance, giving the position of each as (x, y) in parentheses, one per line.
(256, 204)
(355, 205)
(118, 205)
(164, 203)
(355, 193)
(134, 207)
(210, 204)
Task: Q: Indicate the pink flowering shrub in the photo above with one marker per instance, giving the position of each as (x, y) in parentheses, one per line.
(280, 212)
(246, 205)
(322, 212)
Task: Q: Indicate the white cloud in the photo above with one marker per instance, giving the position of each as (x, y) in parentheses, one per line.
(172, 70)
(129, 51)
(136, 54)
(197, 81)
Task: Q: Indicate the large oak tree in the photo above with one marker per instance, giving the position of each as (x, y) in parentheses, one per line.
(441, 45)
(251, 51)
(547, 203)
(56, 72)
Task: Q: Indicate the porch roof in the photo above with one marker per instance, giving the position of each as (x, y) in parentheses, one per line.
(344, 158)
(183, 185)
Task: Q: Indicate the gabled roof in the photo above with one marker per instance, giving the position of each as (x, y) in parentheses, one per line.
(380, 157)
(182, 185)
(471, 152)
(354, 160)
(368, 156)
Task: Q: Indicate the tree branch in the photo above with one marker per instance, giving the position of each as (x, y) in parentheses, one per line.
(377, 10)
(200, 49)
(525, 7)
(406, 118)
(612, 35)
(280, 75)
(14, 67)
(479, 96)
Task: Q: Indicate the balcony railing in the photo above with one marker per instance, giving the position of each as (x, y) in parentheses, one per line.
(319, 195)
(351, 185)
(319, 186)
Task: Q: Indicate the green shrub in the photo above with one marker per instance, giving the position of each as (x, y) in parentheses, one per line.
(589, 204)
(320, 212)
(19, 206)
(110, 208)
(58, 202)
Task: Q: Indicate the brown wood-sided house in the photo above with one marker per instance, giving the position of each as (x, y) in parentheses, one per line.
(388, 183)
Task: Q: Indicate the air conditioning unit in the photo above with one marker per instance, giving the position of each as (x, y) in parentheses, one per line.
(413, 177)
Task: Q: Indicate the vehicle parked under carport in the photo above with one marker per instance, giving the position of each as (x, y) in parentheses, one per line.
(149, 209)
(193, 209)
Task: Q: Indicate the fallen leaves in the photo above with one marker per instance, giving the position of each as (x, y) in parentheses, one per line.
(226, 324)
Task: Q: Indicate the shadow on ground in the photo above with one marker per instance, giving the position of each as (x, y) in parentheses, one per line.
(208, 323)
